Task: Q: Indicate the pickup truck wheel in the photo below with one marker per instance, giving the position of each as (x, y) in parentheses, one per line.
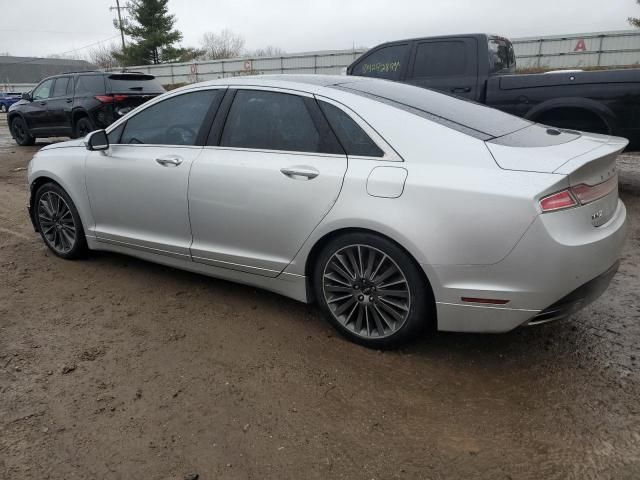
(21, 132)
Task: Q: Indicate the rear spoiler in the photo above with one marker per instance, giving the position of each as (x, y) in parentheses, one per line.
(131, 76)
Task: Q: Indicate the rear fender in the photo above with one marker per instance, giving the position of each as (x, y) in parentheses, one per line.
(597, 108)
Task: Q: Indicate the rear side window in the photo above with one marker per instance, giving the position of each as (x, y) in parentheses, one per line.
(434, 59)
(90, 85)
(60, 87)
(354, 140)
(270, 121)
(386, 62)
(130, 83)
(174, 121)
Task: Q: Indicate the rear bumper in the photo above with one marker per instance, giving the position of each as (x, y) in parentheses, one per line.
(559, 266)
(576, 300)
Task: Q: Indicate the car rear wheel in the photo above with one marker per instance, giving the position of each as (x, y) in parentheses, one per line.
(21, 132)
(372, 291)
(84, 127)
(58, 222)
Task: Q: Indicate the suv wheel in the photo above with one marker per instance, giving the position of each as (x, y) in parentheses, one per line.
(84, 127)
(372, 291)
(21, 132)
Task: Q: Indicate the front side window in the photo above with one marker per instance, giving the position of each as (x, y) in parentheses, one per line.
(386, 62)
(353, 139)
(270, 121)
(174, 121)
(43, 90)
(436, 59)
(60, 88)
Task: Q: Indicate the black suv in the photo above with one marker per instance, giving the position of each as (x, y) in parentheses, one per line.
(74, 104)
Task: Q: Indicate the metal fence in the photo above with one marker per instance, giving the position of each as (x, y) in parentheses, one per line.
(600, 49)
(604, 49)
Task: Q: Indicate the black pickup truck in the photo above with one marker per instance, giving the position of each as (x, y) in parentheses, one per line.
(482, 68)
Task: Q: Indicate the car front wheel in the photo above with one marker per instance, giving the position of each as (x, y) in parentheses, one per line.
(372, 291)
(58, 222)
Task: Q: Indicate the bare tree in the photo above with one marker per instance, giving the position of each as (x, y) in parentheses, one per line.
(104, 56)
(268, 51)
(225, 44)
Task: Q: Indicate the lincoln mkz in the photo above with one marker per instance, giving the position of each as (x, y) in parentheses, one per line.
(393, 207)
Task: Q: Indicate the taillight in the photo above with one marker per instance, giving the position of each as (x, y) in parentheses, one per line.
(582, 194)
(111, 98)
(590, 193)
(558, 201)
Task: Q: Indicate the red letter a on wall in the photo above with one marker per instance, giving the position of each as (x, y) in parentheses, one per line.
(581, 46)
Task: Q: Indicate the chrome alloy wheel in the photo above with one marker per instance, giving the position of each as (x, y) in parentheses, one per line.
(56, 222)
(366, 291)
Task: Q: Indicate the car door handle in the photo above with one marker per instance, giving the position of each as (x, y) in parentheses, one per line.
(43, 103)
(69, 100)
(174, 160)
(307, 172)
(461, 90)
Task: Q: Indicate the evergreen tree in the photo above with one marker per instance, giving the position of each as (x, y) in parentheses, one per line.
(151, 33)
(635, 21)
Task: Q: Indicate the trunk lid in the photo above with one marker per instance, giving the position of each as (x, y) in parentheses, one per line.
(585, 157)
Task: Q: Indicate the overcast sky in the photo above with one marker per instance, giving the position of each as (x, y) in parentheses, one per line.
(40, 28)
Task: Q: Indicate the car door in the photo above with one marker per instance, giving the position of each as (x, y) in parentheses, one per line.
(268, 177)
(59, 106)
(449, 65)
(36, 111)
(138, 189)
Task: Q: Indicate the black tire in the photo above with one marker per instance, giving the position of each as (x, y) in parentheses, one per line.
(55, 225)
(21, 132)
(368, 296)
(84, 126)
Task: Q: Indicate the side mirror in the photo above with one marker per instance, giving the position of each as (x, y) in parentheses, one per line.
(97, 140)
(27, 96)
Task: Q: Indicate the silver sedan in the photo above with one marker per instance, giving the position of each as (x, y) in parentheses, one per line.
(393, 207)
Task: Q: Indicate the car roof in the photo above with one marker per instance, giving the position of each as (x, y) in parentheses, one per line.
(468, 117)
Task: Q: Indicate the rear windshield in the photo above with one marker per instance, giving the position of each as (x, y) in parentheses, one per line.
(462, 115)
(502, 57)
(131, 83)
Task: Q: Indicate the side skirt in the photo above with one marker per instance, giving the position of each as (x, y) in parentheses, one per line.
(286, 284)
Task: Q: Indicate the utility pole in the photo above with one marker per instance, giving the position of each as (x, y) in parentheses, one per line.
(118, 8)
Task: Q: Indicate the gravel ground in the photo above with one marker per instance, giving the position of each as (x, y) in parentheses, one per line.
(113, 368)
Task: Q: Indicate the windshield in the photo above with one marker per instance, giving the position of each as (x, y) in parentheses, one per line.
(502, 57)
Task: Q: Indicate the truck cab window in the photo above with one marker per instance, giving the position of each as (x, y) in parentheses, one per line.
(387, 62)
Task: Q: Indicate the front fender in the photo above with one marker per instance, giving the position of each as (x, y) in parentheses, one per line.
(66, 167)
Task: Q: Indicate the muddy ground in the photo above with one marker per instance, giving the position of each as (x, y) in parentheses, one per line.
(113, 368)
